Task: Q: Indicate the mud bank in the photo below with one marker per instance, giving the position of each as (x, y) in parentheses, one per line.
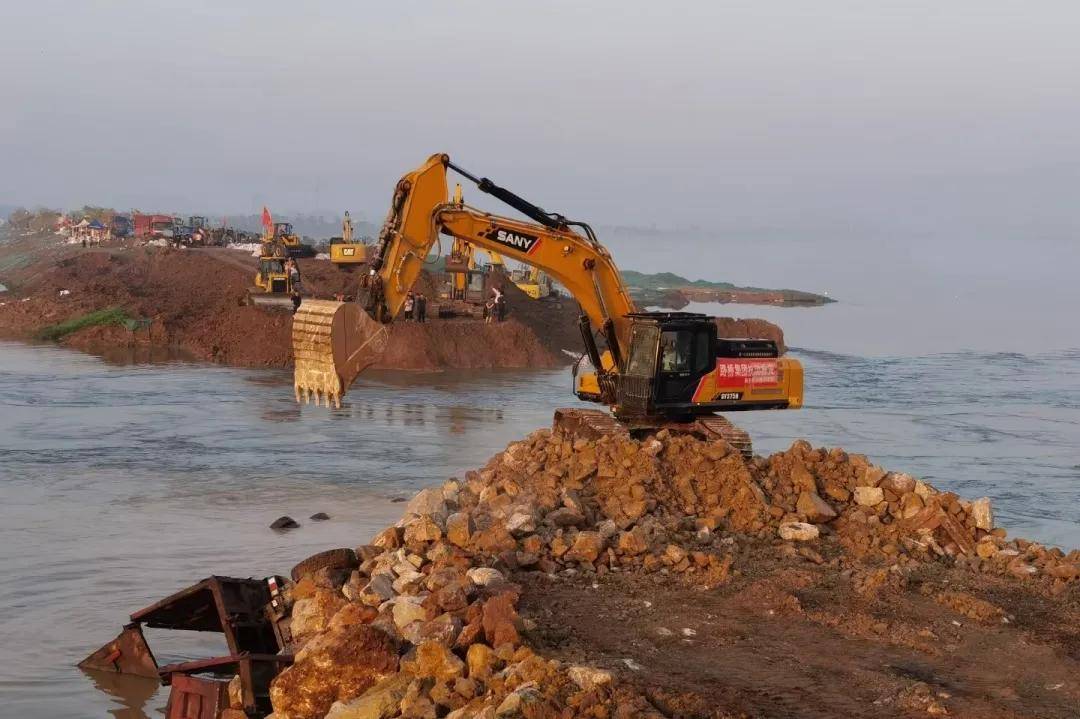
(194, 300)
(193, 303)
(669, 577)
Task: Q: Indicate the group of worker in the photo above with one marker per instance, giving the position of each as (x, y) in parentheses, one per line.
(415, 309)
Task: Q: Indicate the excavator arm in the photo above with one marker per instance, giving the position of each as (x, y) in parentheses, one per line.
(333, 342)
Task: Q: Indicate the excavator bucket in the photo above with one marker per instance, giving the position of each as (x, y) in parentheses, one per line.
(333, 342)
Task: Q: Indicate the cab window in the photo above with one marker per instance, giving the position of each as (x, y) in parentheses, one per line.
(676, 351)
(642, 360)
(685, 351)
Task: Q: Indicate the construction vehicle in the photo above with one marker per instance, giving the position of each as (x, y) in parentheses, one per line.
(652, 369)
(273, 284)
(469, 281)
(344, 251)
(282, 233)
(532, 281)
(153, 226)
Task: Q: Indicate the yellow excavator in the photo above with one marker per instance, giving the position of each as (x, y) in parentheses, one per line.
(345, 253)
(469, 282)
(652, 369)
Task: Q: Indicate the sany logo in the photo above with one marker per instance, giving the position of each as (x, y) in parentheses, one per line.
(517, 241)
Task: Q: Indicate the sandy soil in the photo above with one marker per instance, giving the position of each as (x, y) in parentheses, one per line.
(789, 638)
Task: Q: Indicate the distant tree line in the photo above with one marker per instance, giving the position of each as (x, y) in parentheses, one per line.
(41, 219)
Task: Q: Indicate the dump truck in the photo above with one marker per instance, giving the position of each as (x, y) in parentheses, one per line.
(153, 226)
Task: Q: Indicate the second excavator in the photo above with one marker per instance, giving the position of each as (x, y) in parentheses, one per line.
(652, 369)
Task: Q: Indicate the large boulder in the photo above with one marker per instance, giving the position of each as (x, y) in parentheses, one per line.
(338, 665)
(379, 702)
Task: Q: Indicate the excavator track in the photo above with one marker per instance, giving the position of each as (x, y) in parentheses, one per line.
(593, 424)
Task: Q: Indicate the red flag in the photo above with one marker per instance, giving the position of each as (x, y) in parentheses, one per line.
(267, 221)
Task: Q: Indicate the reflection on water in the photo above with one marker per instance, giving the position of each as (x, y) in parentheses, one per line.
(120, 484)
(131, 695)
(137, 353)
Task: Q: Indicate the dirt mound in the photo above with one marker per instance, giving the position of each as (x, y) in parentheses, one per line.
(668, 577)
(195, 300)
(753, 328)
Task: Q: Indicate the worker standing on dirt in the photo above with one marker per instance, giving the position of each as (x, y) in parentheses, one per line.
(294, 274)
(408, 308)
(421, 308)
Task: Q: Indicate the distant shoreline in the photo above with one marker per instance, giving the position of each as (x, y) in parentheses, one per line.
(670, 291)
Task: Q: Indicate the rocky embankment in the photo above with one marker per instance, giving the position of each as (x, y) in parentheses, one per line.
(194, 303)
(669, 577)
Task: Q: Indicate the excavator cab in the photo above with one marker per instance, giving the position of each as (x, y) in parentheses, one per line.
(677, 367)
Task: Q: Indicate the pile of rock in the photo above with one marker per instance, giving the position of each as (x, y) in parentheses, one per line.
(426, 624)
(876, 513)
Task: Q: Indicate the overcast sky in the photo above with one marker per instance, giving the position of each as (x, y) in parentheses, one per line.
(951, 125)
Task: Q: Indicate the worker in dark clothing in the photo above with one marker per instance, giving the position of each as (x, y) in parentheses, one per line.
(421, 308)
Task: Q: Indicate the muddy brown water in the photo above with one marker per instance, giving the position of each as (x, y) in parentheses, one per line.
(121, 483)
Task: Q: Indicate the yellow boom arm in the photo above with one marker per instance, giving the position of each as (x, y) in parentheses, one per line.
(329, 355)
(420, 213)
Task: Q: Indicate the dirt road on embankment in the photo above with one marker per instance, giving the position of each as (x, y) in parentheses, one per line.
(194, 300)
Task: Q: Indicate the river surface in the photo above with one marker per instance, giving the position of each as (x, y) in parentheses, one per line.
(121, 483)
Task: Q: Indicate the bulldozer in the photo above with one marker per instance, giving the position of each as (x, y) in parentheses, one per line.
(273, 286)
(346, 253)
(651, 370)
(532, 281)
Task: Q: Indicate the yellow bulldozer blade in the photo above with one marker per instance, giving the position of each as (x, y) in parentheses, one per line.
(333, 342)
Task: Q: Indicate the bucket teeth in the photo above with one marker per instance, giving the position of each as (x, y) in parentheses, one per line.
(332, 343)
(315, 375)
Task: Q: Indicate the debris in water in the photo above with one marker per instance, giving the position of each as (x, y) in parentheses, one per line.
(285, 522)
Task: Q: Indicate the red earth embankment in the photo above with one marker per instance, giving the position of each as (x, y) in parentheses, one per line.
(195, 301)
